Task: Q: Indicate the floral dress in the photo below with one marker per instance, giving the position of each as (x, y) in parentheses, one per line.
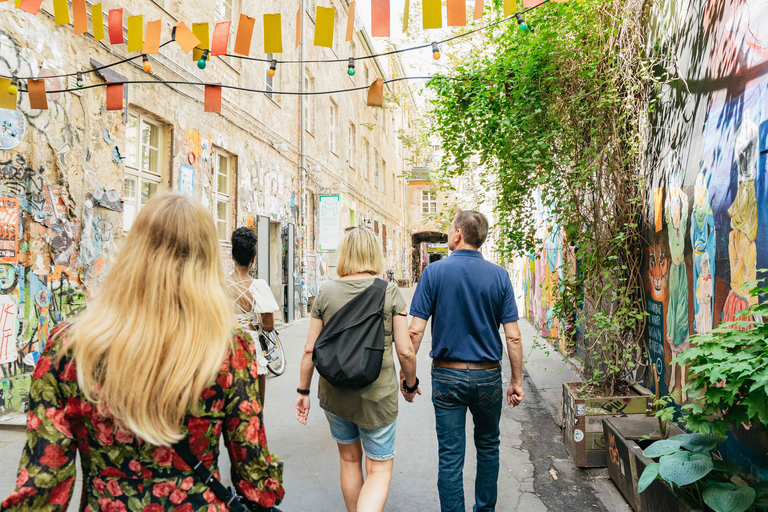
(122, 473)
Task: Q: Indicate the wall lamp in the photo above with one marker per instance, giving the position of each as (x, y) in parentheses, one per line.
(281, 146)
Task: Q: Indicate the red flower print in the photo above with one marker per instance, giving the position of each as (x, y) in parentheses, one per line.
(60, 493)
(177, 496)
(217, 405)
(135, 466)
(187, 483)
(250, 493)
(70, 372)
(42, 367)
(209, 496)
(104, 433)
(224, 380)
(238, 452)
(217, 428)
(207, 393)
(179, 463)
(256, 406)
(267, 499)
(231, 424)
(239, 361)
(255, 370)
(123, 436)
(262, 437)
(162, 455)
(252, 430)
(153, 507)
(112, 473)
(98, 483)
(245, 407)
(187, 507)
(73, 406)
(163, 489)
(59, 420)
(114, 488)
(206, 459)
(17, 497)
(107, 505)
(272, 484)
(54, 456)
(33, 422)
(22, 478)
(224, 366)
(198, 444)
(198, 426)
(213, 508)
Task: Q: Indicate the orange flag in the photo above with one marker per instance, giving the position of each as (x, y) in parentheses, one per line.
(80, 15)
(351, 21)
(212, 98)
(479, 6)
(31, 6)
(457, 13)
(379, 18)
(36, 92)
(185, 37)
(376, 93)
(244, 35)
(152, 39)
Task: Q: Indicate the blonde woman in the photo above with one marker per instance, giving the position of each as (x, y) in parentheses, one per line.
(153, 361)
(363, 420)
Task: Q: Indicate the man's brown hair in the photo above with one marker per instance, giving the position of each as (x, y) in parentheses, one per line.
(473, 226)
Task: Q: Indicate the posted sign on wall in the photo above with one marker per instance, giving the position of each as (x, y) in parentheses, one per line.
(329, 219)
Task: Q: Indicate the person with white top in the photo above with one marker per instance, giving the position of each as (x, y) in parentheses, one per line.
(255, 305)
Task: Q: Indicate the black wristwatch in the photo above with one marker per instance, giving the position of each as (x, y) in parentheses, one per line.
(302, 391)
(413, 389)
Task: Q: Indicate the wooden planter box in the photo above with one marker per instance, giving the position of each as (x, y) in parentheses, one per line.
(583, 433)
(626, 463)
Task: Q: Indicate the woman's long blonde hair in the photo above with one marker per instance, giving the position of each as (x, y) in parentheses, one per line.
(159, 329)
(360, 252)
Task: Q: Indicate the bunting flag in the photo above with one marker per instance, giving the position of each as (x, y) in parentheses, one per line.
(376, 93)
(7, 100)
(116, 26)
(299, 28)
(531, 3)
(457, 13)
(135, 33)
(61, 12)
(152, 40)
(212, 98)
(201, 32)
(406, 14)
(80, 16)
(244, 35)
(273, 33)
(432, 13)
(97, 20)
(17, 2)
(324, 19)
(479, 6)
(351, 21)
(185, 37)
(31, 6)
(509, 7)
(380, 18)
(220, 41)
(115, 97)
(36, 93)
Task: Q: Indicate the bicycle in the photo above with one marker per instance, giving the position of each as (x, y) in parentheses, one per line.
(273, 351)
(391, 276)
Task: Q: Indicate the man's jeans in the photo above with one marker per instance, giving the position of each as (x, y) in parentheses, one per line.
(453, 391)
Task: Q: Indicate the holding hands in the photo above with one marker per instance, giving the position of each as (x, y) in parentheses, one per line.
(410, 393)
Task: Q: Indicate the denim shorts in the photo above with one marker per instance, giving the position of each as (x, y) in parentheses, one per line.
(378, 444)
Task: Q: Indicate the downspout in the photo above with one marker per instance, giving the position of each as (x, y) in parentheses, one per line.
(302, 156)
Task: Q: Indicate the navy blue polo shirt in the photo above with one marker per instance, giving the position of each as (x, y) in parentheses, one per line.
(468, 299)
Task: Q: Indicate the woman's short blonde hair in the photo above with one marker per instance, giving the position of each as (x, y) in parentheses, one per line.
(360, 252)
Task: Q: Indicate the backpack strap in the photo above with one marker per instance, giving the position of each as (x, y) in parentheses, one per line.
(350, 313)
(380, 283)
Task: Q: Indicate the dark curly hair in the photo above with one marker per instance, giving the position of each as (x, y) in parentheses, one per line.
(243, 245)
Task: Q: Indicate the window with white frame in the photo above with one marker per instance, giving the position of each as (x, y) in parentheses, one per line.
(309, 103)
(222, 178)
(352, 145)
(375, 167)
(366, 159)
(224, 9)
(333, 129)
(428, 201)
(144, 143)
(270, 82)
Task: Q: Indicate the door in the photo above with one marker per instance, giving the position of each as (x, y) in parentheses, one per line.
(262, 248)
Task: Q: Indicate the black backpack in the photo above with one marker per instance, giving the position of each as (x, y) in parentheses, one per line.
(350, 348)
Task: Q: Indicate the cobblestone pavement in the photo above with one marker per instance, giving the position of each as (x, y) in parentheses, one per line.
(535, 475)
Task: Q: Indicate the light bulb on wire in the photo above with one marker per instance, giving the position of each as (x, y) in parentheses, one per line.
(146, 65)
(351, 67)
(203, 60)
(272, 68)
(79, 82)
(522, 25)
(435, 51)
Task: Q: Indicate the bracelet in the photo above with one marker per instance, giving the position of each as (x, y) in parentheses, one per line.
(302, 391)
(413, 389)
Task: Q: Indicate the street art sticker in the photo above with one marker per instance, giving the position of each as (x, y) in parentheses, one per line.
(8, 352)
(187, 179)
(12, 127)
(9, 225)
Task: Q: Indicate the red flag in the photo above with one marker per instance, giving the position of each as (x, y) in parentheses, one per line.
(220, 38)
(212, 98)
(380, 18)
(116, 26)
(115, 97)
(31, 6)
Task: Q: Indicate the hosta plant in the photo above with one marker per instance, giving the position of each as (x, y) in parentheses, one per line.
(686, 463)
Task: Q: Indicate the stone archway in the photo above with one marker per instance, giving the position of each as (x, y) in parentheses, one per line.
(428, 237)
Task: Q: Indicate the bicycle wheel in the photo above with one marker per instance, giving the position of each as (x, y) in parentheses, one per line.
(274, 353)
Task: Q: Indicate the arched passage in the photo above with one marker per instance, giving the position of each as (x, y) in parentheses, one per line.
(428, 247)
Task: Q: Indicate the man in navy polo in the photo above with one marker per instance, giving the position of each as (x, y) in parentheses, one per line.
(468, 299)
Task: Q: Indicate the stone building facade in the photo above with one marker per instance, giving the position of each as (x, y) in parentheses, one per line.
(73, 177)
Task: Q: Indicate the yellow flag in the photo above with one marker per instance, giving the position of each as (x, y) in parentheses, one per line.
(97, 20)
(406, 13)
(432, 14)
(18, 3)
(324, 26)
(509, 7)
(61, 11)
(273, 33)
(7, 100)
(135, 33)
(201, 32)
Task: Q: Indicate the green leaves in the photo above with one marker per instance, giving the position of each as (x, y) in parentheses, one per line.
(683, 468)
(727, 497)
(663, 447)
(650, 473)
(699, 442)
